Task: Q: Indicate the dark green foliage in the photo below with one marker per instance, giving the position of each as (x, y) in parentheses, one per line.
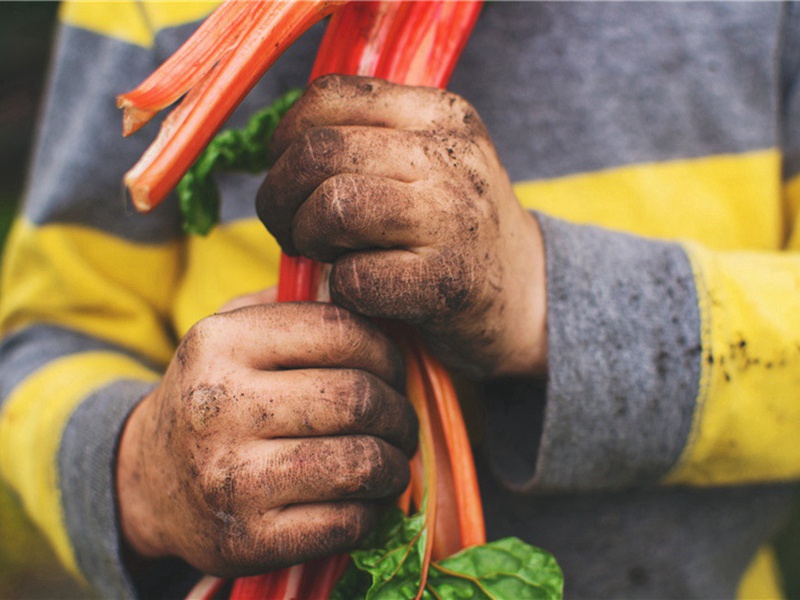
(231, 150)
(390, 569)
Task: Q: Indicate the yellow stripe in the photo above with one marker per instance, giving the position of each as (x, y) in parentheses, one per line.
(745, 423)
(792, 214)
(669, 200)
(31, 426)
(761, 580)
(132, 21)
(722, 201)
(241, 258)
(92, 282)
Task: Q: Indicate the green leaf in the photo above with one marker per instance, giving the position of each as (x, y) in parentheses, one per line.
(395, 560)
(502, 570)
(507, 568)
(243, 149)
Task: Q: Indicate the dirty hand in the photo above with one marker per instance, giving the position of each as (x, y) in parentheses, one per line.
(401, 189)
(274, 435)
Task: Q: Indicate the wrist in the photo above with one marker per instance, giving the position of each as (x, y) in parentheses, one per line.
(136, 515)
(526, 328)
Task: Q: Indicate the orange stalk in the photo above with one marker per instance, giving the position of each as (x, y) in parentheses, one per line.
(269, 29)
(418, 396)
(217, 35)
(454, 432)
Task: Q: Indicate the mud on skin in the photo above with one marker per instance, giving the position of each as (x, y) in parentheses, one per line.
(401, 190)
(203, 475)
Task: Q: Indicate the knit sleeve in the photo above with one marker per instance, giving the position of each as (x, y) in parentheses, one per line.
(87, 287)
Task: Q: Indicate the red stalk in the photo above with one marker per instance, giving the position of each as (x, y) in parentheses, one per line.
(406, 42)
(377, 32)
(206, 588)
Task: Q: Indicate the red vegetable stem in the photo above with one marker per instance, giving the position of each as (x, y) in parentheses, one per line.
(269, 30)
(217, 35)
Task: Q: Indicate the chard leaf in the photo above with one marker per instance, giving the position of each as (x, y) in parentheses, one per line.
(503, 570)
(390, 566)
(395, 560)
(507, 568)
(231, 150)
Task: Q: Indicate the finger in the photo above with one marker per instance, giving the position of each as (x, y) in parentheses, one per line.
(323, 152)
(298, 534)
(274, 473)
(349, 100)
(349, 212)
(291, 336)
(399, 284)
(327, 402)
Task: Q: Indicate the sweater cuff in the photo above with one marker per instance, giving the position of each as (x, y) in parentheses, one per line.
(87, 473)
(624, 356)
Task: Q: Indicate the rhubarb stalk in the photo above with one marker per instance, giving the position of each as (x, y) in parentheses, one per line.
(255, 35)
(406, 42)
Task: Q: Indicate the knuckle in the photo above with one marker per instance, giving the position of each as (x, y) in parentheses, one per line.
(219, 487)
(347, 331)
(352, 283)
(202, 404)
(359, 395)
(456, 280)
(369, 467)
(325, 84)
(338, 196)
(335, 320)
(329, 213)
(317, 150)
(203, 332)
(458, 104)
(238, 550)
(191, 344)
(349, 526)
(465, 117)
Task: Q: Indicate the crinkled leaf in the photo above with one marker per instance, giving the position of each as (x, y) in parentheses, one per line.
(243, 149)
(396, 555)
(504, 569)
(507, 568)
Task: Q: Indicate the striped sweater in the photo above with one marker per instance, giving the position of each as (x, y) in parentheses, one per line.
(659, 146)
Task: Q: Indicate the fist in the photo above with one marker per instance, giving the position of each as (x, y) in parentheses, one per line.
(401, 190)
(274, 436)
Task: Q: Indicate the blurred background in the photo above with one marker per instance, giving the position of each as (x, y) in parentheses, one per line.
(28, 568)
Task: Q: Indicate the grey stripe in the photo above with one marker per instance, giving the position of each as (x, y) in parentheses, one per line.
(86, 466)
(586, 92)
(26, 351)
(83, 164)
(657, 543)
(790, 113)
(85, 190)
(625, 359)
(557, 103)
(576, 87)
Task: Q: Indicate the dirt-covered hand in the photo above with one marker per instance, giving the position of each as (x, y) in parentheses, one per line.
(401, 189)
(274, 436)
